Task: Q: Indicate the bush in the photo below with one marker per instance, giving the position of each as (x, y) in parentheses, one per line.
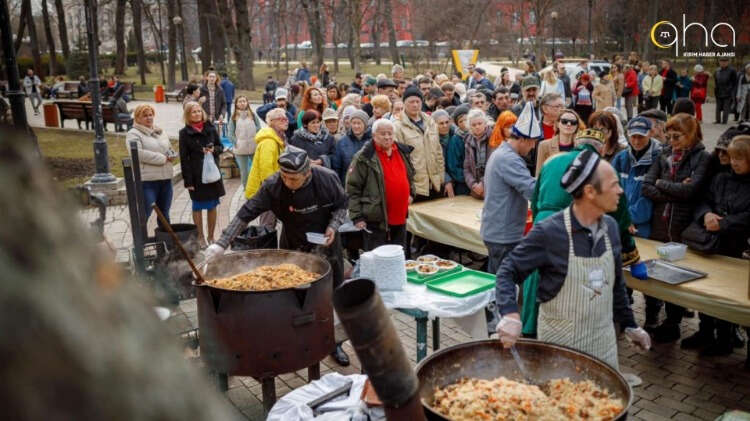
(77, 65)
(26, 62)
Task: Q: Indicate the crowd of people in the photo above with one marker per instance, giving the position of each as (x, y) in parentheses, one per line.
(370, 149)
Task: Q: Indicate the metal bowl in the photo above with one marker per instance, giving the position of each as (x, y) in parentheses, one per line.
(486, 359)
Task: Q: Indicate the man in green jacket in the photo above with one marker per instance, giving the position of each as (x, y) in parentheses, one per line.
(549, 197)
(380, 185)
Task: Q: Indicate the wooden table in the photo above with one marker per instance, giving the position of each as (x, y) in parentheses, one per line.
(724, 293)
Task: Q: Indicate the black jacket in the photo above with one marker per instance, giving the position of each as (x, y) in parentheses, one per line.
(321, 146)
(220, 108)
(729, 197)
(192, 143)
(675, 201)
(725, 82)
(670, 80)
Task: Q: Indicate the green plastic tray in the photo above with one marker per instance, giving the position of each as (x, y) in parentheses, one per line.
(414, 278)
(462, 284)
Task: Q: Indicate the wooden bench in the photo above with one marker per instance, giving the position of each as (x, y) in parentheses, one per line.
(178, 94)
(69, 90)
(84, 111)
(71, 109)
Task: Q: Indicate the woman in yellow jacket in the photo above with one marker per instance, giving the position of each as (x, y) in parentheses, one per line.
(270, 143)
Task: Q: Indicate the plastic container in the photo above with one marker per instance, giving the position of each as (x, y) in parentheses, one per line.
(50, 115)
(462, 284)
(159, 93)
(672, 251)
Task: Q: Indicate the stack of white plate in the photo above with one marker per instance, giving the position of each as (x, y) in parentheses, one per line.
(367, 265)
(388, 270)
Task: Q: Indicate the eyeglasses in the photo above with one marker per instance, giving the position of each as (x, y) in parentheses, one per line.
(673, 136)
(568, 122)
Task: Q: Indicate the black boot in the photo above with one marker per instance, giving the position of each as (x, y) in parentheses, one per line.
(340, 356)
(667, 332)
(723, 344)
(699, 339)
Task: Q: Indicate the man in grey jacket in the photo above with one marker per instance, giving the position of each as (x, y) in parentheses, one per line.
(508, 188)
(33, 87)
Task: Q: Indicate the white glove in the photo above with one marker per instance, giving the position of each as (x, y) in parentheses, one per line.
(509, 330)
(213, 251)
(639, 337)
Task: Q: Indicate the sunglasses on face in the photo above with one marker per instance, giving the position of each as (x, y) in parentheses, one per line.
(568, 122)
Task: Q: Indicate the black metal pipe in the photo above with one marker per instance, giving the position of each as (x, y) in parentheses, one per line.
(14, 93)
(139, 199)
(130, 189)
(378, 348)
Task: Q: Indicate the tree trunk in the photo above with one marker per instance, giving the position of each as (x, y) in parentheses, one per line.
(391, 31)
(243, 53)
(136, 10)
(228, 31)
(312, 12)
(25, 4)
(350, 34)
(356, 23)
(158, 39)
(375, 31)
(217, 38)
(205, 38)
(121, 57)
(50, 39)
(335, 39)
(62, 28)
(181, 34)
(35, 54)
(171, 43)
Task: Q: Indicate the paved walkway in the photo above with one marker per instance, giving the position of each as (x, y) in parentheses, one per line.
(677, 384)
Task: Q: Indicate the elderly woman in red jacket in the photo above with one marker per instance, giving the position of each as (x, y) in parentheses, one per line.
(630, 91)
(698, 91)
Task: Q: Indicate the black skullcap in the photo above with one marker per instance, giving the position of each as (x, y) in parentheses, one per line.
(462, 109)
(294, 160)
(580, 170)
(436, 93)
(387, 83)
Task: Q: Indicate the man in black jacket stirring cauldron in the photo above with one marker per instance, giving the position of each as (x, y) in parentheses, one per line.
(305, 199)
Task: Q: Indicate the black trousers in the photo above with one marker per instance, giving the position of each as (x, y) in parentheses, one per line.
(723, 105)
(723, 328)
(666, 103)
(396, 234)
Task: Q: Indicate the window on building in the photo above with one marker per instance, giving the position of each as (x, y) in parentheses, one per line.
(499, 17)
(532, 17)
(403, 23)
(514, 18)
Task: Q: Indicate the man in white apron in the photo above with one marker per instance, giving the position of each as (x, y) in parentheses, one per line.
(577, 252)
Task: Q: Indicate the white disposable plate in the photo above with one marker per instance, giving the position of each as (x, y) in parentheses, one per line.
(316, 238)
(389, 250)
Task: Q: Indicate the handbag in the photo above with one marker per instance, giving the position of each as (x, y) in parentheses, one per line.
(211, 172)
(627, 91)
(698, 238)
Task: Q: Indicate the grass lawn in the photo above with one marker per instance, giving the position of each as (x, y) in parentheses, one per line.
(69, 154)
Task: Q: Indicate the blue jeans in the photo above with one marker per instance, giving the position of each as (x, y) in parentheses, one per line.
(159, 192)
(244, 162)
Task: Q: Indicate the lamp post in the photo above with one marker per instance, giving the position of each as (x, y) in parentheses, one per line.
(554, 20)
(15, 94)
(101, 159)
(177, 20)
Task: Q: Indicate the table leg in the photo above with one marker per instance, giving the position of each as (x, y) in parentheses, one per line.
(435, 334)
(269, 394)
(313, 372)
(421, 337)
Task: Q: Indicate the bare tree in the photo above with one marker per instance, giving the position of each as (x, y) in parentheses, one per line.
(25, 7)
(121, 49)
(243, 51)
(218, 36)
(137, 9)
(50, 39)
(391, 31)
(205, 38)
(158, 38)
(355, 22)
(375, 30)
(34, 41)
(312, 12)
(62, 28)
(541, 9)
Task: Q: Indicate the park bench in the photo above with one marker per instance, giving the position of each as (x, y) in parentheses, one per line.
(71, 109)
(69, 90)
(84, 111)
(178, 94)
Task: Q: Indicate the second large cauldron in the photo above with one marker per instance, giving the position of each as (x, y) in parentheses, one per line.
(487, 359)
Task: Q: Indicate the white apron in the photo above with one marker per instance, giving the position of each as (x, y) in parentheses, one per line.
(580, 316)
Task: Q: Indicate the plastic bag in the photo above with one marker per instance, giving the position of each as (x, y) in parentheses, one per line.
(211, 172)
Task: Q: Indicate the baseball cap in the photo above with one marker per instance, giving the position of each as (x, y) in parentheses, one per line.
(281, 93)
(640, 126)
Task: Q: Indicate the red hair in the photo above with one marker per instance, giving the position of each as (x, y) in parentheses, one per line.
(307, 103)
(504, 120)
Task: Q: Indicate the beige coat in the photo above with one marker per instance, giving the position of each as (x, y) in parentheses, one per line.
(546, 150)
(604, 95)
(427, 156)
(153, 146)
